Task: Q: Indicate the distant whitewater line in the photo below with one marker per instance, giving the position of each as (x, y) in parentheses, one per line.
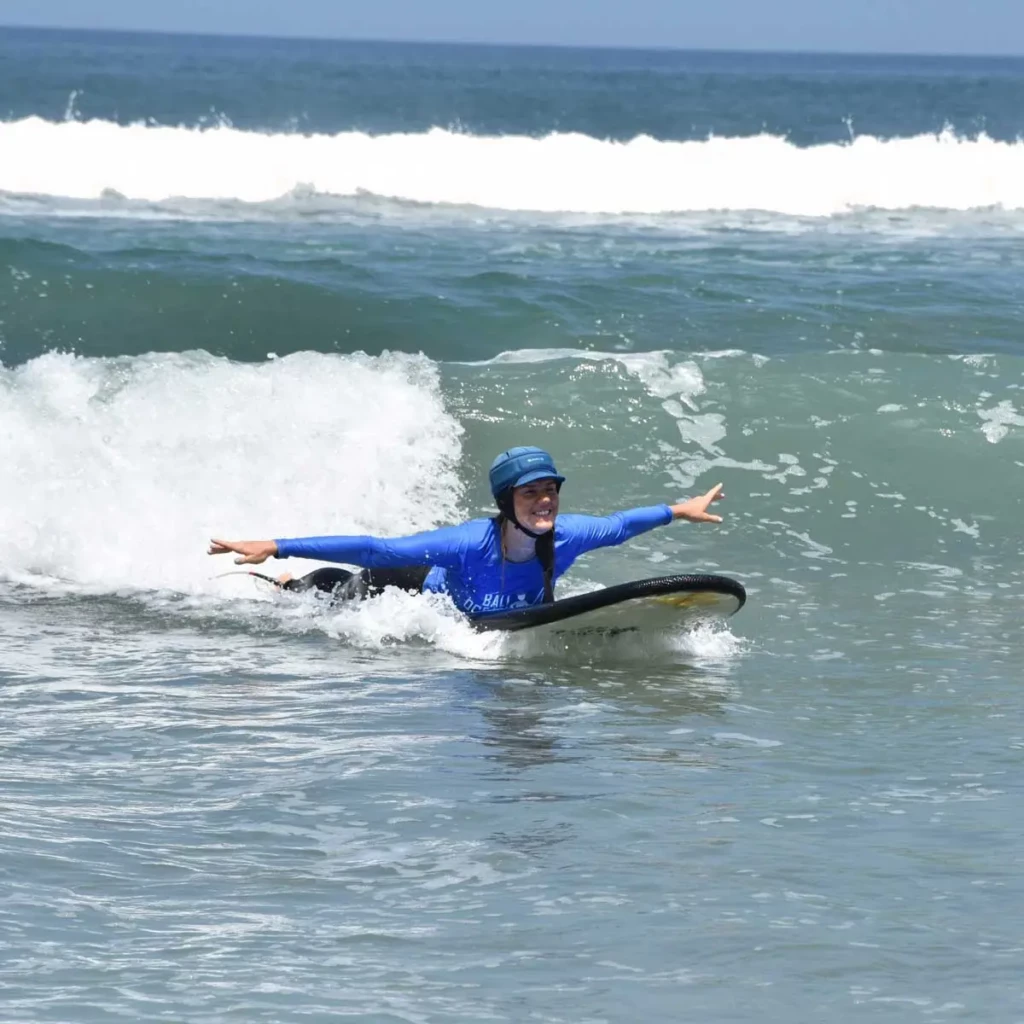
(569, 173)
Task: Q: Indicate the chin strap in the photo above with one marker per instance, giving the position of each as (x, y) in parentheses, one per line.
(545, 544)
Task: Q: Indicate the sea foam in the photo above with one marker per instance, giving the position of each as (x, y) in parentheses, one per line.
(567, 172)
(116, 472)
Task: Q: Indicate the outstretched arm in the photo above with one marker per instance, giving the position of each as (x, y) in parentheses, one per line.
(590, 532)
(442, 547)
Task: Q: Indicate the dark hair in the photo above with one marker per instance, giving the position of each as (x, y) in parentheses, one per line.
(545, 548)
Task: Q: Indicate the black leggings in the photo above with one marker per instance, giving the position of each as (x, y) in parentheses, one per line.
(344, 585)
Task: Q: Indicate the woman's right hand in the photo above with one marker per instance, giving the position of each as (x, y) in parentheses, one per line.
(253, 552)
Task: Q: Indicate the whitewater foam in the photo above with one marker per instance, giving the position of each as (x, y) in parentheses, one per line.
(661, 372)
(998, 421)
(117, 471)
(561, 172)
(706, 643)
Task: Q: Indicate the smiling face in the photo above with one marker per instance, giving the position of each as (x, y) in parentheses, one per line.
(536, 505)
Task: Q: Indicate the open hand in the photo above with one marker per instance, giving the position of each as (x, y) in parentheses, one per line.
(696, 509)
(253, 552)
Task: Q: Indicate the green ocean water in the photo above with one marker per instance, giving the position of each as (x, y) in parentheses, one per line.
(265, 288)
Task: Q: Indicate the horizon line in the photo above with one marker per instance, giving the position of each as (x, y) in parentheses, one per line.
(781, 51)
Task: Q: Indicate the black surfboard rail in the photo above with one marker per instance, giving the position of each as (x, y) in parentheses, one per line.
(568, 607)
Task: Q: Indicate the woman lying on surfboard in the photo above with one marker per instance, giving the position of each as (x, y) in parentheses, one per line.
(485, 565)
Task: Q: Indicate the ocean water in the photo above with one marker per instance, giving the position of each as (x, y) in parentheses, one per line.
(253, 287)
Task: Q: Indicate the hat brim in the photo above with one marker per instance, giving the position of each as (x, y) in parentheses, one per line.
(538, 474)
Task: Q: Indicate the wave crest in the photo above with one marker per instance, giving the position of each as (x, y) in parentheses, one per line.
(568, 173)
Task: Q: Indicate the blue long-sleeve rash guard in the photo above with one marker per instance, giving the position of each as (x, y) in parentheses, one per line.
(466, 559)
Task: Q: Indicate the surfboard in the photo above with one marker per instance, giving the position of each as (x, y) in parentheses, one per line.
(657, 604)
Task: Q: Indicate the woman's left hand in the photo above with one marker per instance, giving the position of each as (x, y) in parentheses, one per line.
(696, 509)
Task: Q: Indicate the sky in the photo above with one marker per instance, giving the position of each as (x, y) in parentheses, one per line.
(863, 26)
